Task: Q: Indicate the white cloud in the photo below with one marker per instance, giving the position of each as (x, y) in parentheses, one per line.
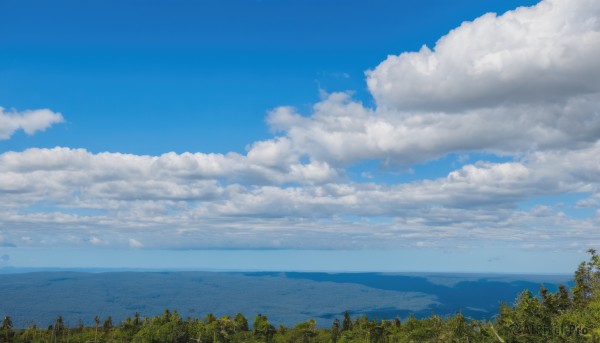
(342, 132)
(524, 85)
(545, 53)
(30, 121)
(477, 200)
(96, 241)
(523, 81)
(134, 243)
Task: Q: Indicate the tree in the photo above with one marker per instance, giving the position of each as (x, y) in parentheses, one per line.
(335, 330)
(97, 322)
(347, 322)
(563, 299)
(583, 286)
(263, 330)
(166, 316)
(210, 318)
(30, 333)
(587, 280)
(136, 320)
(57, 328)
(549, 306)
(7, 329)
(226, 327)
(458, 327)
(308, 330)
(240, 322)
(108, 324)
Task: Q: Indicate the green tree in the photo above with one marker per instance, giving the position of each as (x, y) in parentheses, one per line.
(137, 322)
(563, 299)
(210, 318)
(335, 330)
(7, 329)
(262, 329)
(58, 328)
(97, 322)
(582, 291)
(240, 322)
(549, 305)
(347, 322)
(108, 324)
(166, 316)
(226, 327)
(307, 330)
(30, 333)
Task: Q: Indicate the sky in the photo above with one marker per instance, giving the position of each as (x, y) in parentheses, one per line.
(362, 135)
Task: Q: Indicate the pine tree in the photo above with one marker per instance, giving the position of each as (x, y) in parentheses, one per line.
(97, 322)
(563, 299)
(7, 329)
(347, 323)
(108, 324)
(240, 322)
(335, 330)
(263, 330)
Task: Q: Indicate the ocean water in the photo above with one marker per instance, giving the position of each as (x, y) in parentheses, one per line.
(285, 297)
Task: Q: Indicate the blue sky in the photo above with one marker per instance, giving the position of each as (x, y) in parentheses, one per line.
(160, 76)
(295, 128)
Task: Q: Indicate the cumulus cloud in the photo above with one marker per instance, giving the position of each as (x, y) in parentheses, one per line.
(52, 172)
(524, 85)
(341, 131)
(544, 53)
(475, 199)
(526, 80)
(30, 121)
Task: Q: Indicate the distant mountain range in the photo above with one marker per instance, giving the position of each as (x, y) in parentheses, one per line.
(285, 297)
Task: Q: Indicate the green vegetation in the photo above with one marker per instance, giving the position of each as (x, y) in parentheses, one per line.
(565, 316)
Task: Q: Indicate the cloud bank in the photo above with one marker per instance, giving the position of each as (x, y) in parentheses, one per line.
(523, 86)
